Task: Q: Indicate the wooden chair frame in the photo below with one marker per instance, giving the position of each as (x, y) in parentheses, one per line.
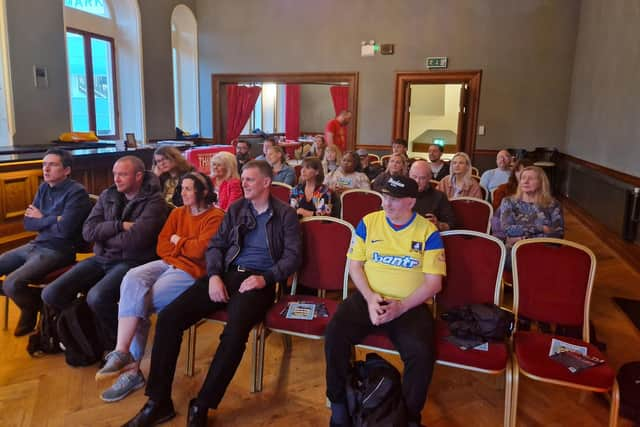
(615, 392)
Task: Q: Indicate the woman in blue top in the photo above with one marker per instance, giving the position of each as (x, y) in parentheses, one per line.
(282, 172)
(311, 197)
(532, 211)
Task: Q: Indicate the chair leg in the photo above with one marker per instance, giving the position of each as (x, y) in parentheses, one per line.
(286, 342)
(508, 390)
(6, 313)
(515, 377)
(257, 360)
(615, 404)
(191, 350)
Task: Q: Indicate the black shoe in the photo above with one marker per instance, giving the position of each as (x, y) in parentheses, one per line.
(152, 414)
(27, 323)
(197, 415)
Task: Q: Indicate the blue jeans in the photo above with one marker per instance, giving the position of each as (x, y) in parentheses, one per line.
(100, 280)
(147, 289)
(25, 264)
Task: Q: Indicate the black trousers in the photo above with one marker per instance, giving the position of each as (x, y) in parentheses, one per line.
(245, 311)
(412, 335)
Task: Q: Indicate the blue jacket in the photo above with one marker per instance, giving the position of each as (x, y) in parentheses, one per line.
(67, 200)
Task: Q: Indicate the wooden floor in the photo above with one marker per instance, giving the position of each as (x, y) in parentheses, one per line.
(46, 392)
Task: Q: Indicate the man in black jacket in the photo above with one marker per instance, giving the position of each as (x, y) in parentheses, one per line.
(123, 227)
(257, 245)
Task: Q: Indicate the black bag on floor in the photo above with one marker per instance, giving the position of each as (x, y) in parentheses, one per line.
(374, 394)
(79, 335)
(45, 340)
(629, 383)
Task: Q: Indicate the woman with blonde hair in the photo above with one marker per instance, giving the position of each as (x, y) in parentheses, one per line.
(532, 211)
(459, 182)
(225, 178)
(397, 165)
(169, 165)
(331, 160)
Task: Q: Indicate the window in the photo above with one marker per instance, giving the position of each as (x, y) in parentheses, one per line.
(184, 44)
(94, 7)
(268, 114)
(92, 83)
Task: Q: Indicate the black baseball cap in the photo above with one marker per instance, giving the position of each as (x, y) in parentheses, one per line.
(400, 186)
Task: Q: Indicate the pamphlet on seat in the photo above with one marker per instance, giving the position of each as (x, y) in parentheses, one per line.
(574, 357)
(302, 310)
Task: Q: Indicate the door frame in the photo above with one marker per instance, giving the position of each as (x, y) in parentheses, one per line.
(472, 78)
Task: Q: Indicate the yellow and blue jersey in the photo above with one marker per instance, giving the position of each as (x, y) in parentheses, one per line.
(396, 259)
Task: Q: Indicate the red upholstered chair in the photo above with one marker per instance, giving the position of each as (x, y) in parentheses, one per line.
(553, 280)
(373, 157)
(433, 183)
(472, 214)
(297, 169)
(474, 270)
(281, 191)
(485, 193)
(355, 204)
(325, 242)
(200, 157)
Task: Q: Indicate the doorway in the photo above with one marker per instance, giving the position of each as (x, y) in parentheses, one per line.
(437, 107)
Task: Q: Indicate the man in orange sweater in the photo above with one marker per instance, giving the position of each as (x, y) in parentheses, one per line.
(152, 286)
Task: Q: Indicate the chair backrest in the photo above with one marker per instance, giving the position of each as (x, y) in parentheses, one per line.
(355, 204)
(475, 171)
(474, 269)
(325, 242)
(472, 214)
(552, 281)
(476, 177)
(385, 160)
(433, 183)
(281, 191)
(485, 192)
(373, 157)
(200, 157)
(297, 169)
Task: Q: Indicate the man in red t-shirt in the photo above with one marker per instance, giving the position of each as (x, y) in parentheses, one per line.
(335, 132)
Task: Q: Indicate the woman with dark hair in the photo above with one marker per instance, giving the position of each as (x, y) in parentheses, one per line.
(150, 287)
(310, 197)
(169, 165)
(396, 166)
(347, 177)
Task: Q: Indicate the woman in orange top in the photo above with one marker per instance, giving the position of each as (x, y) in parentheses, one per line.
(152, 286)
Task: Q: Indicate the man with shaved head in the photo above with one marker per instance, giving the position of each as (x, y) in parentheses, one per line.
(494, 178)
(123, 227)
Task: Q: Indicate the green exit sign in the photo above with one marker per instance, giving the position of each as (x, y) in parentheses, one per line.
(436, 62)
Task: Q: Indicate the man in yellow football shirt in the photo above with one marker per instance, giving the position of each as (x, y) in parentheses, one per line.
(397, 263)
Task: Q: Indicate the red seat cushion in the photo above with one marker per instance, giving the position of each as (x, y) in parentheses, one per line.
(532, 351)
(317, 326)
(378, 339)
(495, 359)
(220, 316)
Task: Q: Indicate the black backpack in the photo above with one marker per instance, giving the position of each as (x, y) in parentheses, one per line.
(485, 322)
(45, 340)
(79, 335)
(374, 394)
(629, 383)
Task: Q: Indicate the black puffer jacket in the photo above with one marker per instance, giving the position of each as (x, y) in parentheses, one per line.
(147, 210)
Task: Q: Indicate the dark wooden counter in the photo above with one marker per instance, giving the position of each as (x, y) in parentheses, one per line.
(21, 174)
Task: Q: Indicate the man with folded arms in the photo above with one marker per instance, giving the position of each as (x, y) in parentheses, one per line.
(397, 263)
(57, 212)
(431, 203)
(123, 226)
(257, 245)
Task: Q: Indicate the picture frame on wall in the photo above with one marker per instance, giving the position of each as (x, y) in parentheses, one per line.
(130, 141)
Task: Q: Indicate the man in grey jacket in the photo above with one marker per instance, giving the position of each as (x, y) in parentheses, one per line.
(257, 245)
(123, 227)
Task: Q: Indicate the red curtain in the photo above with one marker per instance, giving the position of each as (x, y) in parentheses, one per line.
(340, 97)
(292, 112)
(241, 100)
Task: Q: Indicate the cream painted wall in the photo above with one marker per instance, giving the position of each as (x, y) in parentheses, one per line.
(604, 107)
(525, 49)
(423, 100)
